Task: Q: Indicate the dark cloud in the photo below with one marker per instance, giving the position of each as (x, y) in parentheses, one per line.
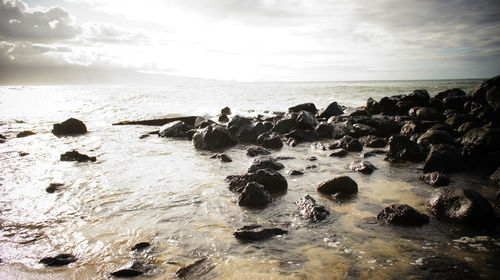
(17, 23)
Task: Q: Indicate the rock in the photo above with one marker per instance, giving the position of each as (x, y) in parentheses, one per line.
(25, 133)
(222, 157)
(245, 130)
(212, 137)
(454, 103)
(434, 137)
(341, 184)
(402, 148)
(70, 126)
(265, 162)
(226, 111)
(257, 151)
(402, 214)
(306, 120)
(467, 126)
(360, 112)
(192, 121)
(254, 195)
(270, 140)
(495, 177)
(312, 166)
(286, 124)
(309, 107)
(140, 246)
(338, 153)
(359, 129)
(479, 142)
(428, 114)
(76, 156)
(445, 158)
(457, 120)
(450, 93)
(313, 158)
(480, 94)
(388, 105)
(59, 260)
(291, 142)
(177, 129)
(295, 172)
(133, 269)
(303, 135)
(435, 178)
(465, 206)
(223, 118)
(443, 268)
(53, 187)
(23, 154)
(372, 106)
(372, 141)
(419, 97)
(195, 270)
(332, 110)
(272, 181)
(373, 153)
(348, 143)
(362, 166)
(310, 211)
(257, 233)
(324, 130)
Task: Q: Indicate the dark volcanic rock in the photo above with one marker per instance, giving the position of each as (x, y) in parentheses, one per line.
(59, 260)
(257, 151)
(303, 135)
(341, 184)
(306, 120)
(362, 166)
(76, 156)
(428, 114)
(435, 178)
(434, 137)
(226, 111)
(462, 205)
(310, 107)
(256, 233)
(402, 148)
(25, 133)
(195, 270)
(139, 246)
(176, 129)
(372, 106)
(478, 142)
(324, 130)
(222, 157)
(444, 268)
(445, 158)
(295, 172)
(333, 109)
(338, 153)
(348, 143)
(212, 137)
(53, 187)
(450, 93)
(310, 211)
(489, 87)
(272, 181)
(265, 162)
(69, 127)
(270, 140)
(401, 214)
(373, 141)
(223, 118)
(286, 124)
(254, 196)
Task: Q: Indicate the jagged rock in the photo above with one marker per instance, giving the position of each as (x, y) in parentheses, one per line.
(270, 140)
(59, 260)
(265, 162)
(402, 148)
(303, 135)
(286, 124)
(257, 151)
(272, 181)
(362, 166)
(435, 178)
(333, 109)
(467, 126)
(445, 158)
(226, 111)
(76, 156)
(402, 214)
(372, 141)
(25, 133)
(341, 184)
(223, 118)
(435, 137)
(372, 106)
(195, 270)
(310, 211)
(306, 120)
(222, 157)
(70, 126)
(480, 94)
(462, 205)
(212, 137)
(176, 129)
(338, 153)
(256, 233)
(140, 246)
(254, 195)
(310, 107)
(348, 143)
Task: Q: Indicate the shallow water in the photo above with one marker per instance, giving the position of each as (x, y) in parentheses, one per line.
(165, 192)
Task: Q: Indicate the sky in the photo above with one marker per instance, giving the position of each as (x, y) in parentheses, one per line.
(80, 41)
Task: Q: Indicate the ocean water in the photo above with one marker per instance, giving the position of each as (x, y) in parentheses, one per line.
(165, 192)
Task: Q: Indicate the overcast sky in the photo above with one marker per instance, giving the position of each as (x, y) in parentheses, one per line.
(250, 40)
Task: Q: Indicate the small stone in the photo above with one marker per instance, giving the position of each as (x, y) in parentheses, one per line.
(402, 214)
(295, 172)
(59, 260)
(25, 133)
(53, 187)
(310, 211)
(256, 233)
(338, 153)
(76, 156)
(313, 158)
(341, 184)
(141, 245)
(222, 157)
(362, 166)
(257, 151)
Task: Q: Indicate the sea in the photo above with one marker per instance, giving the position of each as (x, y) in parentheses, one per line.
(165, 192)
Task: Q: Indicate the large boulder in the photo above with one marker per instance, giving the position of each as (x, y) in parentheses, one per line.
(349, 143)
(401, 148)
(435, 137)
(213, 137)
(254, 195)
(402, 214)
(286, 124)
(454, 92)
(465, 206)
(310, 107)
(435, 178)
(324, 130)
(175, 129)
(306, 120)
(256, 233)
(270, 140)
(58, 260)
(489, 87)
(479, 142)
(309, 210)
(445, 158)
(342, 184)
(272, 181)
(303, 135)
(333, 109)
(264, 162)
(70, 126)
(372, 106)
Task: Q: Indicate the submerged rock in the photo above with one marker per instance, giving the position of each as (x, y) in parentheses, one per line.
(254, 195)
(265, 162)
(222, 157)
(362, 166)
(256, 233)
(310, 211)
(195, 270)
(213, 137)
(25, 133)
(59, 260)
(70, 126)
(462, 205)
(402, 214)
(257, 151)
(176, 129)
(342, 184)
(435, 178)
(76, 156)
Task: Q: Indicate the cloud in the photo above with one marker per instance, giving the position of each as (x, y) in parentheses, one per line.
(98, 32)
(18, 23)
